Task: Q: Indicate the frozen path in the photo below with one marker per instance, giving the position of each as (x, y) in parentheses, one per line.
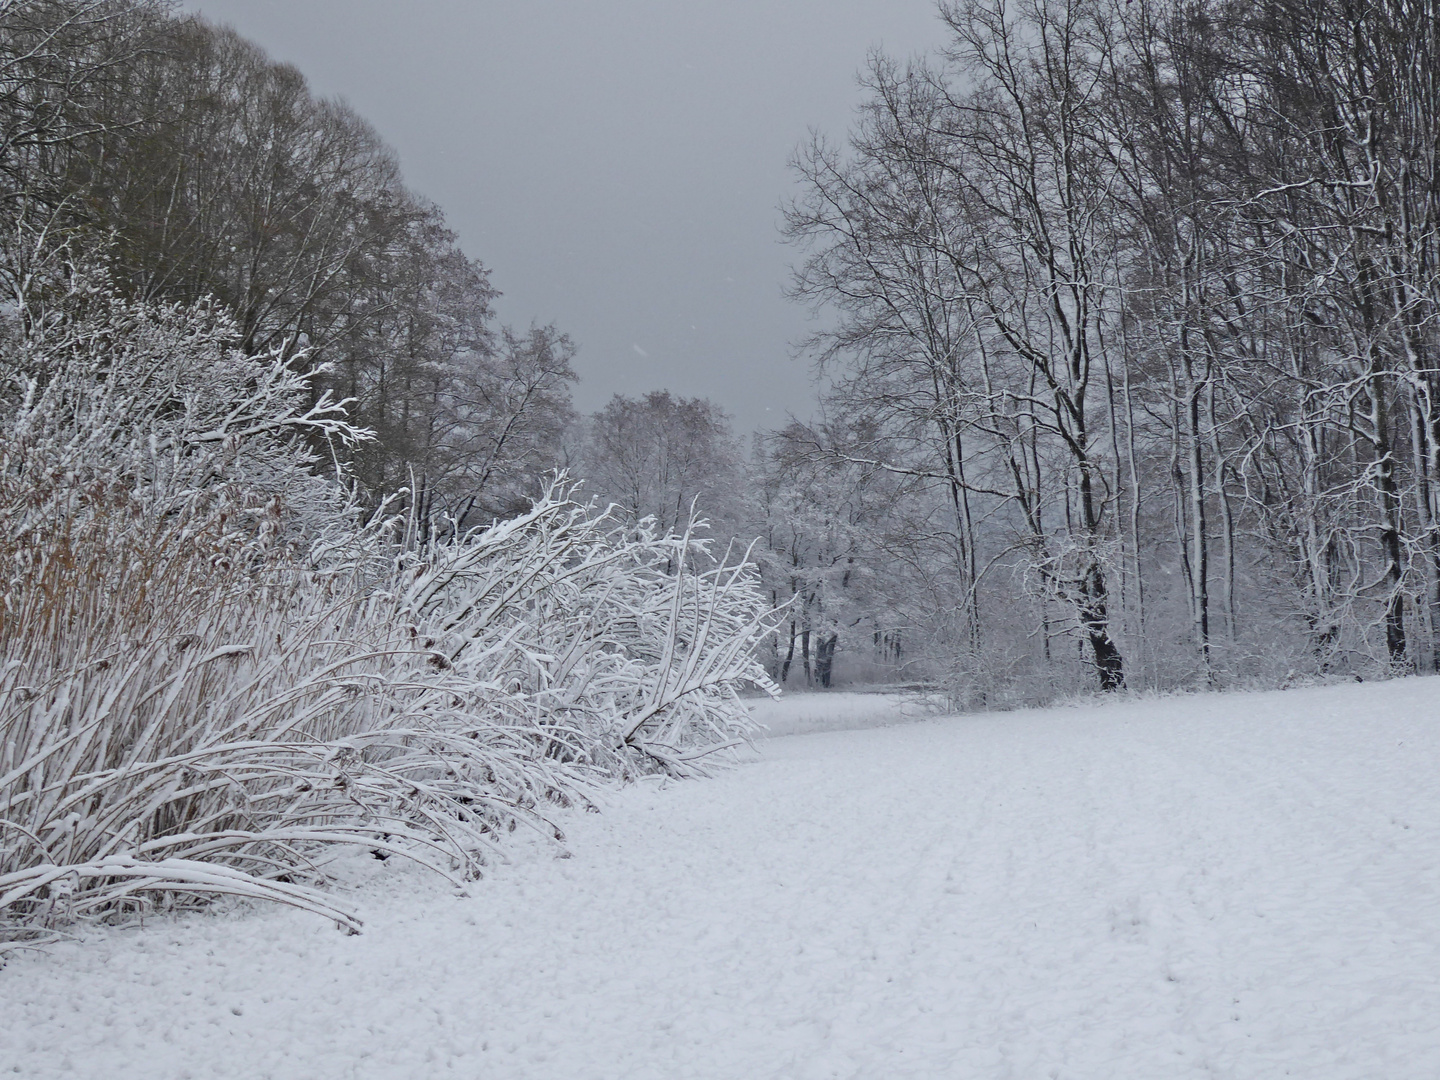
(1237, 886)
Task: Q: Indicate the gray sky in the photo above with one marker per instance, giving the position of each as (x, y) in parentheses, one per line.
(616, 163)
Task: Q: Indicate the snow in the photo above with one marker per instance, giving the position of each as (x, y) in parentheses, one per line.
(842, 710)
(1222, 886)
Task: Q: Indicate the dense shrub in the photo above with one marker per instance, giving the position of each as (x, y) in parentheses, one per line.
(214, 671)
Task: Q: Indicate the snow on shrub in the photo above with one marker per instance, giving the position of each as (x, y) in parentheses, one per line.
(213, 673)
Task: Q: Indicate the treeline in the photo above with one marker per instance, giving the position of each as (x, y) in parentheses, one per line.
(1129, 356)
(193, 167)
(1132, 347)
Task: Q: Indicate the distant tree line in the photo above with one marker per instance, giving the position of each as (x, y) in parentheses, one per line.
(179, 156)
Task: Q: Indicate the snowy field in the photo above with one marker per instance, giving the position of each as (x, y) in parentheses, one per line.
(1231, 886)
(842, 710)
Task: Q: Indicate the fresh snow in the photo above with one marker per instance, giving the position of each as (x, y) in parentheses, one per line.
(1220, 886)
(842, 710)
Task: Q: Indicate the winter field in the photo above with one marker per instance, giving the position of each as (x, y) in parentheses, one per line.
(1223, 886)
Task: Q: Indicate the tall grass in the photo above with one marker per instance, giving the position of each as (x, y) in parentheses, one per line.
(213, 678)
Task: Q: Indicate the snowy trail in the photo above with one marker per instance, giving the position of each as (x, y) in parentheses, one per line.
(1236, 886)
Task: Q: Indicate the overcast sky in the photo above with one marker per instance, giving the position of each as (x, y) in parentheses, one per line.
(617, 164)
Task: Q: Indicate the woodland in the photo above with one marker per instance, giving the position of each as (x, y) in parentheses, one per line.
(1135, 342)
(1128, 379)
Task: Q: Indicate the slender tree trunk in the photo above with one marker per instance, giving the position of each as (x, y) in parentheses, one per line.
(1227, 522)
(825, 657)
(1390, 525)
(1094, 613)
(1199, 562)
(1140, 635)
(1425, 506)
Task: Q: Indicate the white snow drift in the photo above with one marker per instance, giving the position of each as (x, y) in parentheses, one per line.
(1239, 886)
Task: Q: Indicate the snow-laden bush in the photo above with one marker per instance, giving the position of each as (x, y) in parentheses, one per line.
(211, 673)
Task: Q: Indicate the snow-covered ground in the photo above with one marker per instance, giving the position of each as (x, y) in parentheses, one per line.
(1228, 886)
(842, 710)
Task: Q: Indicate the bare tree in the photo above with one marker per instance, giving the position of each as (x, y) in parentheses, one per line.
(657, 455)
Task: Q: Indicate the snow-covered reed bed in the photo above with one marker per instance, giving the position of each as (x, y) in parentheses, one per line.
(211, 674)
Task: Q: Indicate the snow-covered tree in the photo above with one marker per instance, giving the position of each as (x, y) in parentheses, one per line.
(656, 455)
